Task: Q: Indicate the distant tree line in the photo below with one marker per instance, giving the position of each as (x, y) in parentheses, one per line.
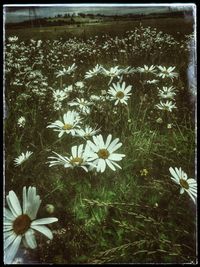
(46, 22)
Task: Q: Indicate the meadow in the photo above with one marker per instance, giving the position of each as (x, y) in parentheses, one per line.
(107, 115)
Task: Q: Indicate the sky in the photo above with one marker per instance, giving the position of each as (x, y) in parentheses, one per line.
(19, 14)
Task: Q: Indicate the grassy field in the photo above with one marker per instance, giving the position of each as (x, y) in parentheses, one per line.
(174, 26)
(136, 213)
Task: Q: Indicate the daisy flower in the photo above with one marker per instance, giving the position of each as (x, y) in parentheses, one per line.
(12, 38)
(187, 184)
(59, 95)
(147, 69)
(71, 123)
(57, 105)
(21, 122)
(22, 158)
(95, 71)
(79, 84)
(128, 70)
(120, 93)
(167, 72)
(65, 71)
(112, 72)
(168, 105)
(95, 98)
(82, 104)
(152, 81)
(68, 89)
(102, 153)
(78, 158)
(166, 92)
(87, 132)
(20, 223)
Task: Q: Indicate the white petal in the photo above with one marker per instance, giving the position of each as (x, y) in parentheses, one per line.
(112, 144)
(117, 165)
(110, 164)
(8, 214)
(92, 156)
(182, 190)
(11, 251)
(44, 230)
(174, 174)
(101, 142)
(33, 202)
(85, 168)
(80, 150)
(7, 228)
(116, 157)
(24, 200)
(113, 148)
(96, 141)
(9, 239)
(92, 146)
(13, 204)
(8, 233)
(74, 151)
(44, 221)
(109, 138)
(61, 134)
(192, 197)
(191, 181)
(30, 239)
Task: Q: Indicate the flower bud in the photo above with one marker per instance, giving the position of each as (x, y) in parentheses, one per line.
(159, 120)
(50, 208)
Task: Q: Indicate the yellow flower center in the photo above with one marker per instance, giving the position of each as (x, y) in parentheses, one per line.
(103, 153)
(76, 161)
(67, 127)
(184, 184)
(21, 224)
(165, 72)
(120, 94)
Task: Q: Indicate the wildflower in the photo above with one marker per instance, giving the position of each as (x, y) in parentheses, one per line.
(71, 120)
(152, 81)
(113, 72)
(120, 93)
(22, 158)
(57, 105)
(95, 97)
(169, 126)
(181, 178)
(144, 172)
(12, 38)
(87, 132)
(65, 71)
(147, 69)
(103, 92)
(21, 122)
(20, 223)
(68, 89)
(166, 92)
(159, 120)
(95, 71)
(168, 106)
(167, 72)
(102, 153)
(79, 84)
(82, 104)
(59, 95)
(78, 158)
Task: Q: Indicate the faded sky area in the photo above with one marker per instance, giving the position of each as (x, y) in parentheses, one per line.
(19, 14)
